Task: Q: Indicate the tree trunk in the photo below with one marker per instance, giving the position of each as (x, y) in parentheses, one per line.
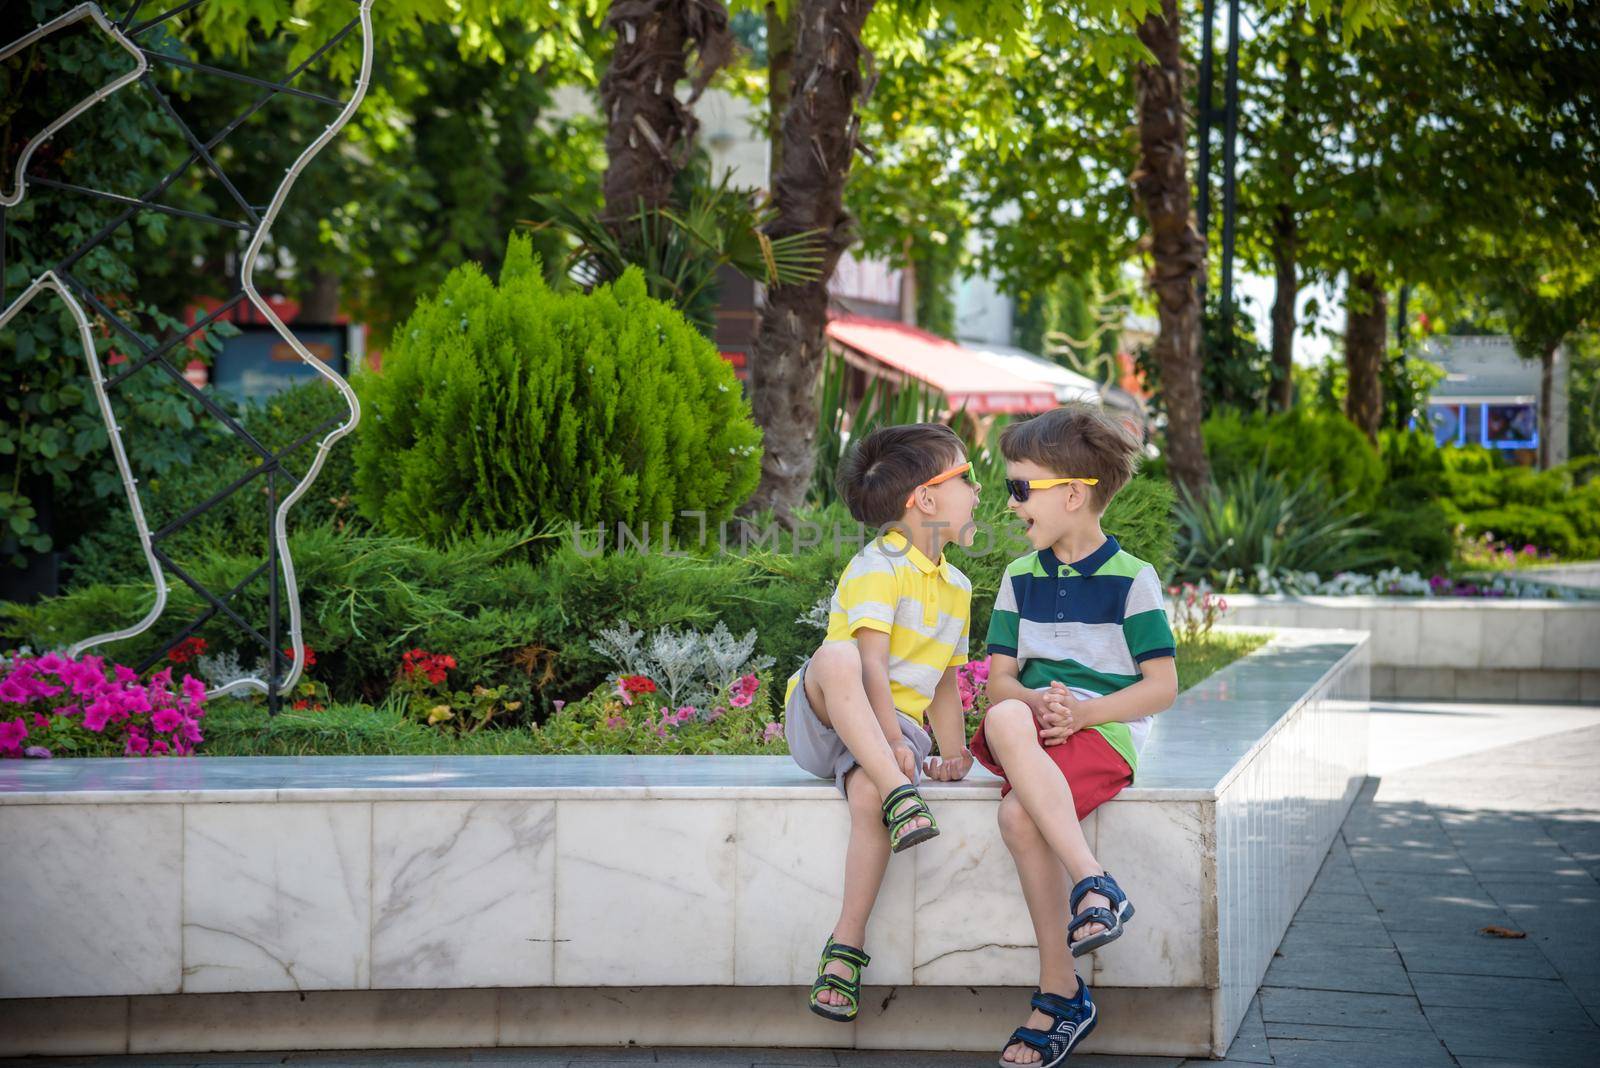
(1177, 249)
(1284, 234)
(780, 83)
(1547, 386)
(1365, 336)
(819, 140)
(320, 302)
(1285, 243)
(649, 131)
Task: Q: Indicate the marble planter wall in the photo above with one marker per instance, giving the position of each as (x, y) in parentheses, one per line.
(186, 891)
(1466, 648)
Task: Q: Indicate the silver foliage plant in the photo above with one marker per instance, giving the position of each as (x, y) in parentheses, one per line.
(690, 668)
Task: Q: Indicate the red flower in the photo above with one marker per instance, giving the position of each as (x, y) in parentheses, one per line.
(302, 704)
(311, 655)
(186, 650)
(638, 684)
(434, 665)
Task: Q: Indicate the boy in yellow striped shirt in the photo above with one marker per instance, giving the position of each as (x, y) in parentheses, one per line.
(897, 630)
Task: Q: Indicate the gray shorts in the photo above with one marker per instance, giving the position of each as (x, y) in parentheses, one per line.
(818, 749)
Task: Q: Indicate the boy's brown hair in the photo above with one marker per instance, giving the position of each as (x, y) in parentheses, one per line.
(881, 470)
(1076, 441)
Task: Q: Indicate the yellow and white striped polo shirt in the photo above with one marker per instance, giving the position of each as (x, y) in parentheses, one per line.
(924, 607)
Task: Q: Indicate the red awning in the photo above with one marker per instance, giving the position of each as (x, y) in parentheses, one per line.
(899, 352)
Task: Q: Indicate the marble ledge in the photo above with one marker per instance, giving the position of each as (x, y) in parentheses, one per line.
(1197, 748)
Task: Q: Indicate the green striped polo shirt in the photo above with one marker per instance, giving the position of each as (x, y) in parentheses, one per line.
(1088, 624)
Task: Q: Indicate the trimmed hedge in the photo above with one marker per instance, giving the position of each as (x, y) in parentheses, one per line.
(507, 406)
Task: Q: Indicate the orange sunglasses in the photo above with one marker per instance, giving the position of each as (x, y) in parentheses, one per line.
(959, 469)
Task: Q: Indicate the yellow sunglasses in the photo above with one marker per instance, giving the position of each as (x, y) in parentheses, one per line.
(959, 469)
(1019, 487)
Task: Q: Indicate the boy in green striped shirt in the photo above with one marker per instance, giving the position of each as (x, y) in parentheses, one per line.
(1081, 659)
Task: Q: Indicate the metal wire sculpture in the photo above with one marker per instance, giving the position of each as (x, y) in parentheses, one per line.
(257, 224)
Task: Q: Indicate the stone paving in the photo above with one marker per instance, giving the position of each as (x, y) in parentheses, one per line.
(1454, 923)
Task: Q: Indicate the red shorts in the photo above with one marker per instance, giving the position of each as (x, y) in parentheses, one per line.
(1094, 771)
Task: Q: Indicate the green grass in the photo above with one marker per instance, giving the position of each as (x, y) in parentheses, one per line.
(243, 728)
(1212, 653)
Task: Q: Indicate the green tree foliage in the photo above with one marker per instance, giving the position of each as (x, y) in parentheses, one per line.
(54, 454)
(1311, 449)
(506, 405)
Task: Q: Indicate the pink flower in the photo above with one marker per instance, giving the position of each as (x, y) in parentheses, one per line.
(560, 705)
(12, 691)
(125, 675)
(137, 745)
(166, 720)
(12, 732)
(773, 732)
(716, 713)
(38, 752)
(739, 699)
(685, 713)
(616, 723)
(748, 684)
(42, 721)
(96, 715)
(159, 748)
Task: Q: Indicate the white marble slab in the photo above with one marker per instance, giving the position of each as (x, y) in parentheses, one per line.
(973, 927)
(1160, 855)
(89, 900)
(276, 897)
(645, 893)
(463, 893)
(790, 884)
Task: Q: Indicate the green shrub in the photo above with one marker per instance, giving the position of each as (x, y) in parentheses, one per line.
(365, 598)
(1412, 526)
(1557, 510)
(1259, 524)
(1304, 446)
(501, 407)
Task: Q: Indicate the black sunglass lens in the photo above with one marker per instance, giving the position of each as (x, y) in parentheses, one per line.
(1018, 488)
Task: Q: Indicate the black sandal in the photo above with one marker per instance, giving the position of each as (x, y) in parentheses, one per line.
(1111, 919)
(856, 960)
(1071, 1020)
(902, 806)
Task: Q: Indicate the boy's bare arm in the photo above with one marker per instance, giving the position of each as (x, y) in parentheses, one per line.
(1004, 685)
(1153, 693)
(949, 729)
(874, 648)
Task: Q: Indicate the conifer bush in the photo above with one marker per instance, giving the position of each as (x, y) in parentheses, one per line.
(509, 405)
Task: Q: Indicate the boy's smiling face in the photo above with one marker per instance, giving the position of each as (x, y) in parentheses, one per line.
(1048, 514)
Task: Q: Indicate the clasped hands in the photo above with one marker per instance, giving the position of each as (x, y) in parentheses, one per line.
(1064, 715)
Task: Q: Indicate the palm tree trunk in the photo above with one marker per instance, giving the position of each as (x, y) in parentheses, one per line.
(1284, 233)
(780, 83)
(649, 131)
(1365, 335)
(1177, 249)
(819, 140)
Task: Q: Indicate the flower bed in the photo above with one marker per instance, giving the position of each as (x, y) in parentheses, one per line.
(603, 722)
(56, 705)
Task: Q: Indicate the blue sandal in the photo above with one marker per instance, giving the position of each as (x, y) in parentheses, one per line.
(1111, 919)
(1071, 1020)
(850, 987)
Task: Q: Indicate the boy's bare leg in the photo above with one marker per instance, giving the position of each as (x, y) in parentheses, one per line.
(1045, 888)
(865, 862)
(1038, 784)
(838, 697)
